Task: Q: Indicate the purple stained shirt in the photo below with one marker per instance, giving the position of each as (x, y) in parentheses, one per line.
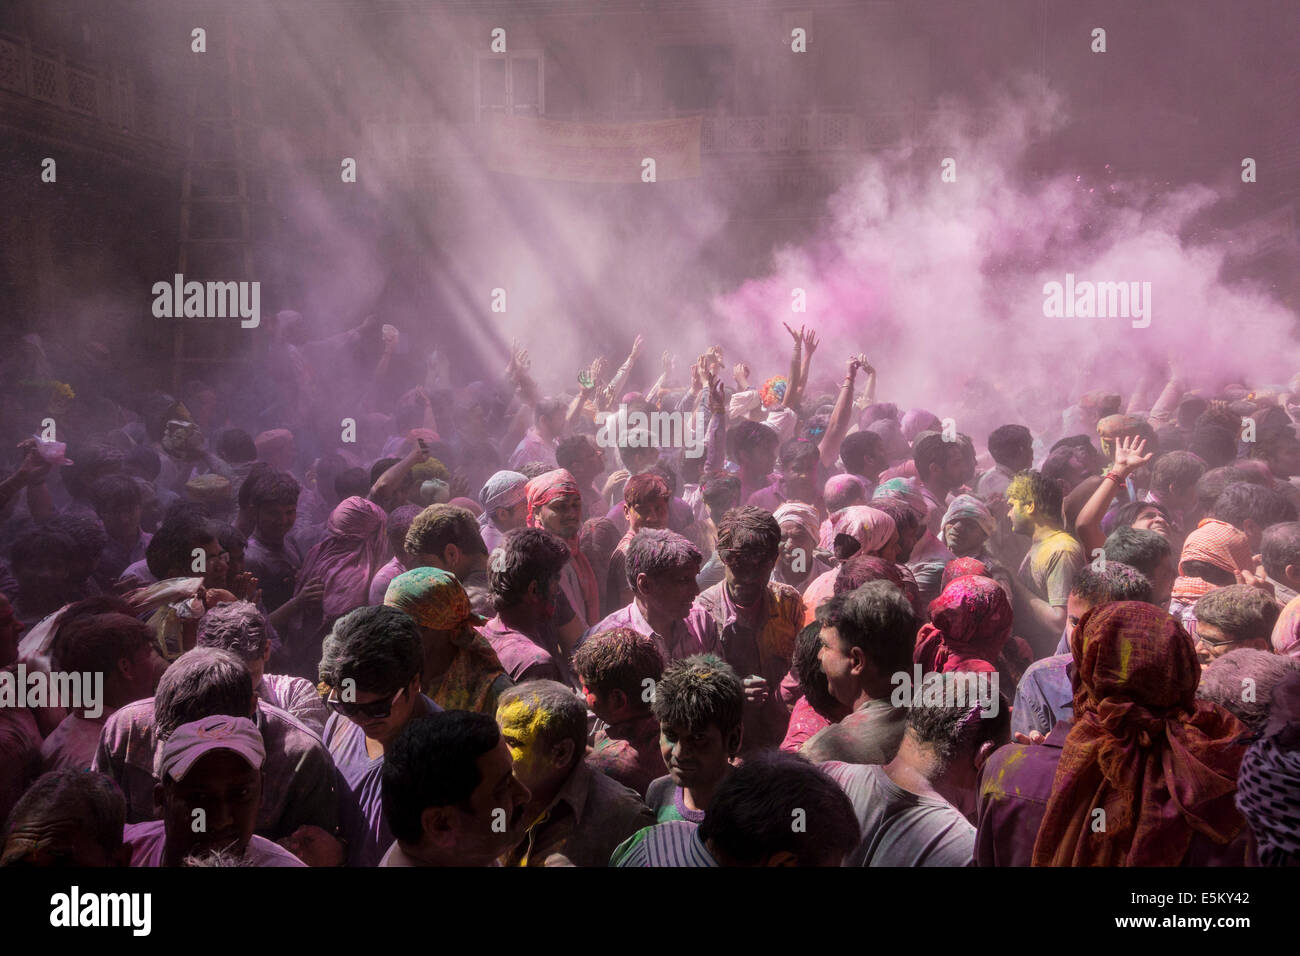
(682, 642)
(361, 811)
(383, 577)
(148, 843)
(523, 658)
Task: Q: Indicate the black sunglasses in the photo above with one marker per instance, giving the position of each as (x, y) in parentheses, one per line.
(375, 710)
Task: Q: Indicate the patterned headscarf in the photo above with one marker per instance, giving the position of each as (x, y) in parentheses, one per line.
(546, 488)
(1214, 542)
(968, 506)
(1161, 764)
(969, 623)
(803, 515)
(871, 528)
(1286, 632)
(960, 568)
(505, 489)
(904, 490)
(347, 557)
(1268, 787)
(434, 598)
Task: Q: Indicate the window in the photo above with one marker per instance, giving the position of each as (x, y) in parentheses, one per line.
(510, 85)
(697, 77)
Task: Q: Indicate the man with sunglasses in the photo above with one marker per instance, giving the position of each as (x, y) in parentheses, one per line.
(372, 662)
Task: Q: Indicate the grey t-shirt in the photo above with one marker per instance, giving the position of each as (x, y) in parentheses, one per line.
(901, 828)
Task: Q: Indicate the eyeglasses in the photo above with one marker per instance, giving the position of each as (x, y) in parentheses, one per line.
(375, 710)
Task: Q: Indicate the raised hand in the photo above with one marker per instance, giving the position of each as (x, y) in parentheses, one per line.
(636, 345)
(717, 396)
(1128, 455)
(741, 372)
(810, 342)
(797, 336)
(584, 380)
(667, 361)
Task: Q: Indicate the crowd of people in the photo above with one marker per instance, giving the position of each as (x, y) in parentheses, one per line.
(345, 612)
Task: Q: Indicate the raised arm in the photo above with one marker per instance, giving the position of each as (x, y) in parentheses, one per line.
(842, 413)
(1129, 458)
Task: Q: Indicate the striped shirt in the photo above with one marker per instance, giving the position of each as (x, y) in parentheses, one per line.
(675, 843)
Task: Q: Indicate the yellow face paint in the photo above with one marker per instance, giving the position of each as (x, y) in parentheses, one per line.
(521, 722)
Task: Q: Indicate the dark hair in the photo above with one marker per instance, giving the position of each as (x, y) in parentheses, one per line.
(379, 467)
(143, 462)
(204, 682)
(799, 453)
(618, 659)
(656, 550)
(906, 519)
(720, 491)
(878, 619)
(1211, 484)
(274, 488)
(94, 644)
(115, 493)
(1130, 511)
(642, 489)
(434, 763)
(1242, 612)
(43, 544)
(860, 448)
(750, 818)
(440, 525)
(747, 436)
(570, 450)
(525, 555)
(946, 729)
(534, 469)
(749, 528)
(558, 714)
(1036, 488)
(929, 449)
(1241, 501)
(1280, 547)
(352, 483)
(378, 647)
(238, 627)
(698, 692)
(547, 407)
(1007, 441)
(1176, 469)
(1119, 582)
(88, 461)
(1138, 548)
(397, 525)
(86, 532)
(1222, 682)
(170, 553)
(1213, 444)
(1268, 449)
(93, 799)
(236, 446)
(806, 665)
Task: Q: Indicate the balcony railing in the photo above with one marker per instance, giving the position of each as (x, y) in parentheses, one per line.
(46, 76)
